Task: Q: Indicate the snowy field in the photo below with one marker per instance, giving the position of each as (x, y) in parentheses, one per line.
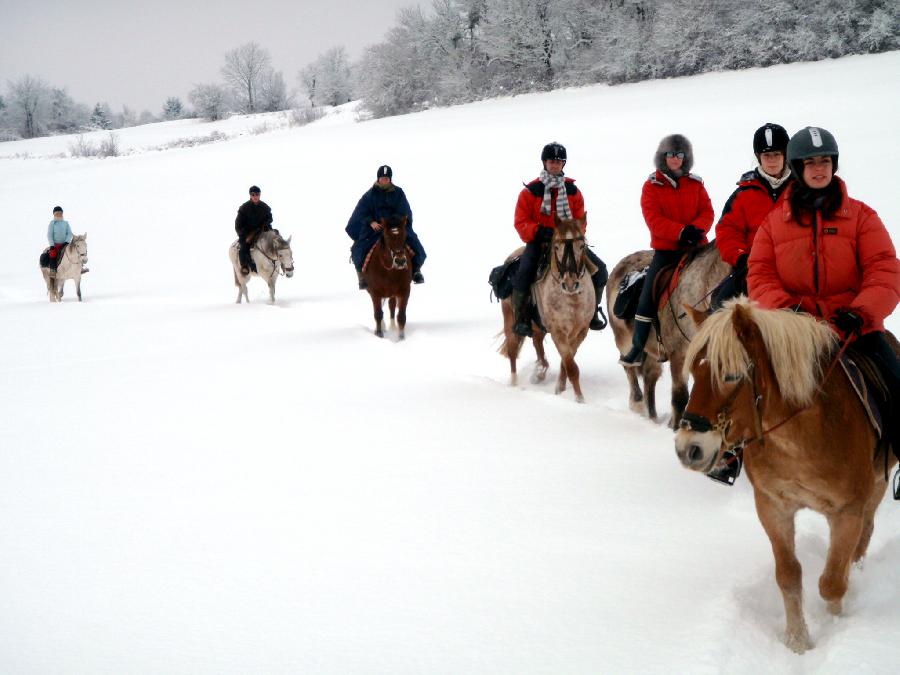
(192, 486)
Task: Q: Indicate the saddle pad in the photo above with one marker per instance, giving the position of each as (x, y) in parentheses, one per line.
(866, 390)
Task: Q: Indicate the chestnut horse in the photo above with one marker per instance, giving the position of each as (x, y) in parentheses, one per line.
(766, 388)
(389, 274)
(566, 300)
(695, 283)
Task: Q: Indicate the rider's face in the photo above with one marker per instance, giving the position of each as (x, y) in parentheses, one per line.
(772, 163)
(554, 166)
(254, 197)
(384, 180)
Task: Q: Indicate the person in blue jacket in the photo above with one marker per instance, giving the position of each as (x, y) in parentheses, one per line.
(58, 234)
(382, 200)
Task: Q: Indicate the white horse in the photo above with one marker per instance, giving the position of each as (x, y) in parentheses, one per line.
(73, 259)
(272, 254)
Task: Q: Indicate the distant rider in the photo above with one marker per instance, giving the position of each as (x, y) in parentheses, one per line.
(253, 218)
(58, 235)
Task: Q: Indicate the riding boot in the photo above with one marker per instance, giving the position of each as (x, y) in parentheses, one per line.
(417, 277)
(363, 284)
(522, 325)
(635, 357)
(599, 321)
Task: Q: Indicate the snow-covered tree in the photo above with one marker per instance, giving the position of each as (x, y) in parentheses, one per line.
(173, 108)
(244, 69)
(328, 79)
(273, 92)
(64, 114)
(28, 106)
(147, 117)
(210, 101)
(101, 117)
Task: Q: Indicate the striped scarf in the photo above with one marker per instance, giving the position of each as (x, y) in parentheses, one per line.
(562, 200)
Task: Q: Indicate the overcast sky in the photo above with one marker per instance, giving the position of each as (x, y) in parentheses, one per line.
(140, 53)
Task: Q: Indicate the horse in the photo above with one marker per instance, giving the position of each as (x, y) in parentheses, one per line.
(566, 301)
(74, 257)
(271, 253)
(389, 274)
(760, 396)
(695, 283)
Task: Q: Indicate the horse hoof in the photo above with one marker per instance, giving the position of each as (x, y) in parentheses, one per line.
(798, 643)
(401, 337)
(379, 333)
(579, 399)
(835, 607)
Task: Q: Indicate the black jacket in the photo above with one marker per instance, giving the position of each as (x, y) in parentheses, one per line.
(253, 218)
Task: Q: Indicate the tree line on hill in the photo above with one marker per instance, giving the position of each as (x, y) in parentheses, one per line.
(458, 51)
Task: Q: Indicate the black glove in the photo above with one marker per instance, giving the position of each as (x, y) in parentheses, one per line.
(544, 234)
(690, 235)
(848, 322)
(741, 263)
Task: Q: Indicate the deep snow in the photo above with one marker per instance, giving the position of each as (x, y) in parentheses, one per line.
(192, 486)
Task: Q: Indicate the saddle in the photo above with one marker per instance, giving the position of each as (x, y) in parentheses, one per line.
(667, 278)
(870, 387)
(501, 278)
(52, 255)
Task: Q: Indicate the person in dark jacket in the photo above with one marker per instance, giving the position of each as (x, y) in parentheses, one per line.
(538, 203)
(678, 214)
(382, 200)
(757, 193)
(253, 217)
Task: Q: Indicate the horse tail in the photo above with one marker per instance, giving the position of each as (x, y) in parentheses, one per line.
(511, 345)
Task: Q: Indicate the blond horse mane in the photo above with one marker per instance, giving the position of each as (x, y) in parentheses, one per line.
(794, 342)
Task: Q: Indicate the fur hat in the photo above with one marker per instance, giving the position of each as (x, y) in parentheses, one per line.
(57, 208)
(674, 143)
(384, 170)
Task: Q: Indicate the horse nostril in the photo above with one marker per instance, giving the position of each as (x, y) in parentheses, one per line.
(695, 453)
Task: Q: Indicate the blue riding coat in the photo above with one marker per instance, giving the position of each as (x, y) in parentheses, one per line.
(59, 232)
(376, 204)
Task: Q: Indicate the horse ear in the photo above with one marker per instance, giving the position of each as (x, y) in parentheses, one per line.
(745, 327)
(85, 235)
(696, 315)
(288, 241)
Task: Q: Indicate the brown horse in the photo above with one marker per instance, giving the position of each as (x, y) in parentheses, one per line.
(695, 282)
(566, 300)
(389, 274)
(765, 388)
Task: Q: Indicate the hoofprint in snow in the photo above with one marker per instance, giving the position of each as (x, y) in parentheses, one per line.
(188, 485)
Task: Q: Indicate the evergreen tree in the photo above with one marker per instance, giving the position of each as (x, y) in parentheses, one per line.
(173, 109)
(101, 117)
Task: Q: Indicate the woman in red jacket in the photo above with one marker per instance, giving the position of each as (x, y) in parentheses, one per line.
(679, 214)
(822, 252)
(757, 193)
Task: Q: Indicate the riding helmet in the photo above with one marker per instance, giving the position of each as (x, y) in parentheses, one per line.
(770, 138)
(57, 209)
(254, 190)
(553, 150)
(384, 170)
(811, 142)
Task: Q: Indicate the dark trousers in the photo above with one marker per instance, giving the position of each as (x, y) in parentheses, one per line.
(876, 346)
(647, 309)
(244, 253)
(531, 257)
(733, 285)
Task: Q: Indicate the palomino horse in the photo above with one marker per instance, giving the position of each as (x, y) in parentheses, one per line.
(695, 283)
(389, 274)
(759, 391)
(566, 301)
(69, 267)
(272, 254)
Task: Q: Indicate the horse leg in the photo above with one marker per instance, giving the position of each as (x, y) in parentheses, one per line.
(778, 522)
(573, 373)
(271, 282)
(379, 314)
(846, 529)
(879, 485)
(679, 388)
(561, 380)
(401, 314)
(78, 287)
(542, 365)
(392, 306)
(635, 396)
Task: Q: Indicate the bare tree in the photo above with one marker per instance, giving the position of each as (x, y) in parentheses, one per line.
(243, 71)
(28, 105)
(328, 80)
(273, 92)
(210, 101)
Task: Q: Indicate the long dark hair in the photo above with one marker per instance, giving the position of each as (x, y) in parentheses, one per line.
(805, 200)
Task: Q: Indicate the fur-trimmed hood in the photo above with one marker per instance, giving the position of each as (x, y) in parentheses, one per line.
(674, 143)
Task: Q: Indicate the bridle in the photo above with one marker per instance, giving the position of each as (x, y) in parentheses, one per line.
(276, 261)
(568, 264)
(79, 254)
(733, 452)
(397, 255)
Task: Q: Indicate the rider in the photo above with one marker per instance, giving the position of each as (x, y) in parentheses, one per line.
(58, 234)
(382, 200)
(678, 213)
(253, 217)
(821, 251)
(534, 221)
(758, 191)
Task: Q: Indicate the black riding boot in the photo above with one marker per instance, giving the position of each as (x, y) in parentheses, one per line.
(599, 321)
(363, 284)
(522, 325)
(417, 277)
(599, 279)
(635, 357)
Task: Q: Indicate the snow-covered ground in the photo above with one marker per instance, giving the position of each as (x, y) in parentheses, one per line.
(192, 486)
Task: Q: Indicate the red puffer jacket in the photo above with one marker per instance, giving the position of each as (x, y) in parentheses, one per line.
(847, 261)
(528, 208)
(743, 214)
(669, 205)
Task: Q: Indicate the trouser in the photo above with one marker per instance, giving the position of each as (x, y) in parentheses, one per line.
(647, 309)
(733, 285)
(531, 257)
(244, 253)
(876, 346)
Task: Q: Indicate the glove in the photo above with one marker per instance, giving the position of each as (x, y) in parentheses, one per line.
(690, 235)
(544, 234)
(741, 263)
(848, 322)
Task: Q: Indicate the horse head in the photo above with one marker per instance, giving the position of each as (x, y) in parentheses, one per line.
(394, 242)
(568, 254)
(282, 248)
(78, 245)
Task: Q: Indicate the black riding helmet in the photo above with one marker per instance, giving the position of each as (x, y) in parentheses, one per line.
(770, 138)
(811, 142)
(553, 150)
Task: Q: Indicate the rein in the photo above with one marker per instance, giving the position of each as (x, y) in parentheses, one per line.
(394, 253)
(276, 261)
(568, 264)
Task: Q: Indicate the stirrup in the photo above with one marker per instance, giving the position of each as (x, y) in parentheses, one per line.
(633, 359)
(523, 329)
(897, 484)
(363, 284)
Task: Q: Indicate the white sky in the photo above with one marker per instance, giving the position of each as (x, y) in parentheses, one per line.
(140, 53)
